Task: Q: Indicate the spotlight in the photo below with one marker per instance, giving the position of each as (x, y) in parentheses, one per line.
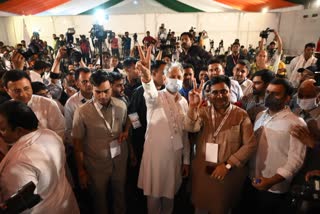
(264, 10)
(135, 2)
(100, 16)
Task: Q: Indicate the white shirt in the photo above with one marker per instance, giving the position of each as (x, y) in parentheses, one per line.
(48, 114)
(236, 91)
(35, 77)
(39, 157)
(70, 107)
(278, 151)
(246, 86)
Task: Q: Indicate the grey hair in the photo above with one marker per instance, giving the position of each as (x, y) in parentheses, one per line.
(170, 66)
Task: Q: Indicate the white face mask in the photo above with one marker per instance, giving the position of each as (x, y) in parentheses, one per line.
(173, 85)
(307, 104)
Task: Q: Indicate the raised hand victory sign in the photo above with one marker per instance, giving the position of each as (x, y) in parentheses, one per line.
(144, 64)
(195, 94)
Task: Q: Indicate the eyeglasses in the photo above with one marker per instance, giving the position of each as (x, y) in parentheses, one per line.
(217, 92)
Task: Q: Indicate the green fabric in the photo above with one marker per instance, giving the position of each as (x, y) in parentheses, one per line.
(178, 6)
(105, 5)
(297, 1)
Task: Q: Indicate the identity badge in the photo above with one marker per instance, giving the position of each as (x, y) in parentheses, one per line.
(115, 148)
(134, 118)
(212, 152)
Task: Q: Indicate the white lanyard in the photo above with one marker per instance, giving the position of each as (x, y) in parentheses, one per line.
(106, 122)
(215, 134)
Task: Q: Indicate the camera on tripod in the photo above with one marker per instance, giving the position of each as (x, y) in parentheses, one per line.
(98, 32)
(72, 53)
(135, 37)
(211, 44)
(265, 33)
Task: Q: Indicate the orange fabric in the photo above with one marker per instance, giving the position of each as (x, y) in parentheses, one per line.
(29, 7)
(256, 5)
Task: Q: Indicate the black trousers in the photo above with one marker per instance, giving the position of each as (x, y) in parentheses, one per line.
(262, 202)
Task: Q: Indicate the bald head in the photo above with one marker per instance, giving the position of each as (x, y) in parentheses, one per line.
(308, 89)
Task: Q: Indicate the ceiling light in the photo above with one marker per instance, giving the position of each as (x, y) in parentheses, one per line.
(264, 10)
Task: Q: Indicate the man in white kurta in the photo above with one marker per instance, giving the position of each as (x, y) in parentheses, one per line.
(18, 85)
(303, 61)
(166, 147)
(37, 155)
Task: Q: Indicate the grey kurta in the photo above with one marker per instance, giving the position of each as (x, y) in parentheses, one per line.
(236, 145)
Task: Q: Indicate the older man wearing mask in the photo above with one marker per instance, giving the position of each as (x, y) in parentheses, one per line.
(165, 158)
(309, 110)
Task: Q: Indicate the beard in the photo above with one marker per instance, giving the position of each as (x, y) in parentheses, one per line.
(185, 45)
(273, 103)
(256, 92)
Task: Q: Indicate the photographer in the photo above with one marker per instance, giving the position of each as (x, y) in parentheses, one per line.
(274, 54)
(36, 155)
(114, 45)
(126, 45)
(85, 49)
(148, 40)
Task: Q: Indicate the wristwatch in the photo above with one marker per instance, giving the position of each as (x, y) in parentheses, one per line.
(228, 166)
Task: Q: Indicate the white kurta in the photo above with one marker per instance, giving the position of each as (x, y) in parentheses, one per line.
(39, 157)
(48, 114)
(295, 64)
(166, 144)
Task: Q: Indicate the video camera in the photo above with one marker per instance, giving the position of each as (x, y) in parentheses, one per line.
(135, 37)
(265, 33)
(307, 194)
(211, 44)
(22, 200)
(33, 48)
(97, 31)
(72, 53)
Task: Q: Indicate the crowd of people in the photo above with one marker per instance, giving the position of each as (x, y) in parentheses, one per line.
(142, 128)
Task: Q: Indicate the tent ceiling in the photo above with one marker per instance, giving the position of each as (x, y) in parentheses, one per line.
(257, 5)
(28, 7)
(76, 7)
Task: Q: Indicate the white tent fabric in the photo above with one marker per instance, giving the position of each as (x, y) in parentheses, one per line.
(208, 5)
(138, 7)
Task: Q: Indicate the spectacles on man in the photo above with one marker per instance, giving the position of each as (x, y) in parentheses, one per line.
(217, 92)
